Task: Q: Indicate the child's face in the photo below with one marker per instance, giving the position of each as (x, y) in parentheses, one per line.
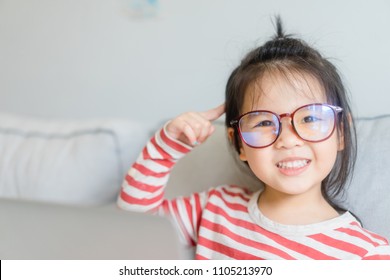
(291, 165)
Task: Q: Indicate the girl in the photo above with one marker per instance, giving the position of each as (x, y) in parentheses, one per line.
(287, 115)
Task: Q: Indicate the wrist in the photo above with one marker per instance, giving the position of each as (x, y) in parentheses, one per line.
(172, 145)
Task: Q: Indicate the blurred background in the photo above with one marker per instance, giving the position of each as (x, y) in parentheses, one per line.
(153, 59)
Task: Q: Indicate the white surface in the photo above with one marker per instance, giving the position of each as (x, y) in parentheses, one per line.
(93, 58)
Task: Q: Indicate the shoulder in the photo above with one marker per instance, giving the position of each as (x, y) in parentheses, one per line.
(228, 203)
(380, 249)
(352, 227)
(374, 245)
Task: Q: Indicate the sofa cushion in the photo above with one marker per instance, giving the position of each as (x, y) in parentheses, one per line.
(368, 195)
(72, 162)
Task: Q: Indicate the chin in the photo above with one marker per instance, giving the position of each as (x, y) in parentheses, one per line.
(294, 189)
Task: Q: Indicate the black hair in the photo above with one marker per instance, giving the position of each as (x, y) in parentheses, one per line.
(287, 54)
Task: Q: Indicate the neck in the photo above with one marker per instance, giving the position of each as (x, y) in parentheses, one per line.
(295, 209)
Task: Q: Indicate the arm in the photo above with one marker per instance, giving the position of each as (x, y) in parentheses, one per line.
(143, 187)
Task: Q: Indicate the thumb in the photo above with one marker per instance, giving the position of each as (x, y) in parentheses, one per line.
(214, 113)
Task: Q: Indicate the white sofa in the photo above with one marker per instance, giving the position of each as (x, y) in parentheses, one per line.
(78, 166)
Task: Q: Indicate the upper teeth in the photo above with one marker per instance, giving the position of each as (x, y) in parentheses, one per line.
(293, 164)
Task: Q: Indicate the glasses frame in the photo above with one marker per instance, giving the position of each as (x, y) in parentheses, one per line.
(335, 109)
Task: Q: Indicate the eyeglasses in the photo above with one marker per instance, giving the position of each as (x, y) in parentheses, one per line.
(312, 123)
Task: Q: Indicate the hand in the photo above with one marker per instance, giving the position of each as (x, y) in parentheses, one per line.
(193, 128)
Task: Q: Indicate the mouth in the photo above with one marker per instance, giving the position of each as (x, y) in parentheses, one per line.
(293, 164)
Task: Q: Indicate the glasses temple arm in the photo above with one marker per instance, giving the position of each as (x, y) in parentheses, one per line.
(337, 109)
(233, 122)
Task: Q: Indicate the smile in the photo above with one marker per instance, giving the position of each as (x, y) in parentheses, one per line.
(294, 164)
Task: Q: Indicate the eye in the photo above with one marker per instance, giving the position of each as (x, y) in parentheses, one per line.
(310, 119)
(265, 124)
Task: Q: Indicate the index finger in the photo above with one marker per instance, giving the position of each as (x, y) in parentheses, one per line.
(214, 113)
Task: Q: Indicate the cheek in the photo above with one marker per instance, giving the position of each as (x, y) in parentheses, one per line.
(259, 160)
(326, 154)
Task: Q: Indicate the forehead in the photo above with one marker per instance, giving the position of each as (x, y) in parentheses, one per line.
(283, 92)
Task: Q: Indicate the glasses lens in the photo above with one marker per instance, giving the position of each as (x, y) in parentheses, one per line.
(314, 122)
(259, 129)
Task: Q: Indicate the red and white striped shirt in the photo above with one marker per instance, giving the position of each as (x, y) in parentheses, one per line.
(226, 223)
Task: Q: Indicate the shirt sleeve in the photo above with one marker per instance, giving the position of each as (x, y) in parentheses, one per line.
(143, 187)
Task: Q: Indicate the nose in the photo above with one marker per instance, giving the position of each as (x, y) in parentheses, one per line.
(288, 138)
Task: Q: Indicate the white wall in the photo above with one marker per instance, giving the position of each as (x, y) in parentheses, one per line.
(95, 58)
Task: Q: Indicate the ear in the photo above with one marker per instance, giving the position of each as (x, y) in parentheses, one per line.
(340, 145)
(230, 133)
(341, 134)
(242, 154)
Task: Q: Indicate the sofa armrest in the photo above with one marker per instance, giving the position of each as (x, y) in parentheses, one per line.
(35, 230)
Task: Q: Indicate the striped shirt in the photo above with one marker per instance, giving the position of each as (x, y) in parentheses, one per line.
(226, 223)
